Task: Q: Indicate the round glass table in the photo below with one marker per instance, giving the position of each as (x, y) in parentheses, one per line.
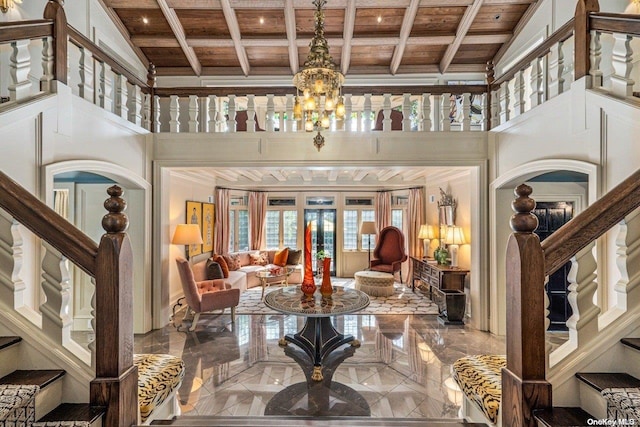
(318, 338)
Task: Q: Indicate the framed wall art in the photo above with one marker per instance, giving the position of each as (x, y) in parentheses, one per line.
(194, 216)
(208, 224)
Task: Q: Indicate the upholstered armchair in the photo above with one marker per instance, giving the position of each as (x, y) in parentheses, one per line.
(389, 253)
(206, 295)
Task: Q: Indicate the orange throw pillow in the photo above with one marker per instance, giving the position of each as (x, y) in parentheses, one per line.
(280, 257)
(223, 265)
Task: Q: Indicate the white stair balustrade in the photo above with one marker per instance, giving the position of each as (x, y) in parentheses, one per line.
(193, 113)
(251, 114)
(56, 321)
(505, 99)
(518, 94)
(556, 70)
(174, 114)
(348, 110)
(537, 91)
(484, 125)
(437, 112)
(19, 68)
(212, 113)
(386, 112)
(47, 65)
(135, 102)
(495, 108)
(12, 287)
(367, 113)
(86, 66)
(290, 123)
(445, 111)
(566, 78)
(105, 87)
(156, 114)
(121, 97)
(231, 122)
(406, 112)
(627, 253)
(425, 113)
(146, 111)
(595, 58)
(270, 116)
(466, 112)
(622, 61)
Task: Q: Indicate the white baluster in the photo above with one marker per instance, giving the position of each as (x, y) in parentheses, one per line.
(445, 111)
(426, 112)
(495, 108)
(359, 121)
(146, 111)
(231, 123)
(504, 102)
(406, 112)
(156, 114)
(367, 112)
(213, 114)
(568, 61)
(466, 112)
(105, 88)
(174, 113)
(92, 343)
(628, 250)
(47, 64)
(281, 121)
(556, 70)
(595, 57)
(437, 112)
(19, 65)
(193, 113)
(251, 113)
(85, 87)
(386, 111)
(56, 322)
(348, 108)
(622, 61)
(121, 97)
(289, 109)
(536, 83)
(485, 112)
(12, 287)
(518, 94)
(135, 104)
(271, 113)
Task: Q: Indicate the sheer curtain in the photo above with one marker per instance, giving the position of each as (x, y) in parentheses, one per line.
(257, 215)
(382, 206)
(222, 221)
(415, 219)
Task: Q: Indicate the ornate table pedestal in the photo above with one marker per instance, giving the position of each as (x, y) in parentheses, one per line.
(318, 338)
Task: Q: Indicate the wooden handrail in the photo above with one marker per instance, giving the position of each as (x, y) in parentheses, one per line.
(48, 225)
(99, 54)
(352, 90)
(615, 23)
(562, 34)
(592, 223)
(23, 30)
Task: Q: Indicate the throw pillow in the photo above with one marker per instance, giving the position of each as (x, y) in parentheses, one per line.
(223, 265)
(294, 256)
(233, 262)
(214, 271)
(280, 257)
(259, 258)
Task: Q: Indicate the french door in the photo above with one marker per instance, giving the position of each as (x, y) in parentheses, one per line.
(323, 234)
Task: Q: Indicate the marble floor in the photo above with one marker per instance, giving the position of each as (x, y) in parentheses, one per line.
(401, 370)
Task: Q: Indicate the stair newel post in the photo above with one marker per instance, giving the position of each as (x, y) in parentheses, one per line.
(524, 387)
(582, 36)
(54, 10)
(116, 383)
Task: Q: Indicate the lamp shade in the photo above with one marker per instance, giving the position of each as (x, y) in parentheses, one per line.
(454, 236)
(187, 234)
(368, 227)
(426, 232)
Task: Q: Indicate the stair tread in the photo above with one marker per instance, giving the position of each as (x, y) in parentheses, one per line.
(195, 421)
(74, 412)
(602, 380)
(631, 342)
(563, 416)
(39, 377)
(9, 341)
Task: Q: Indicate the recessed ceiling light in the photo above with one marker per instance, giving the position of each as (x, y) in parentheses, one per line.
(261, 20)
(496, 17)
(145, 20)
(379, 19)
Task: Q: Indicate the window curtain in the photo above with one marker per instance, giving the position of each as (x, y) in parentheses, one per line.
(415, 219)
(222, 221)
(382, 206)
(257, 215)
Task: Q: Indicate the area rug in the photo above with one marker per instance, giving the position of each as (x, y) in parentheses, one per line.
(403, 301)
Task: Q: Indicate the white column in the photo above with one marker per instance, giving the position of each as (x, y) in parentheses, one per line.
(19, 66)
(536, 83)
(622, 61)
(445, 110)
(213, 114)
(466, 112)
(251, 113)
(426, 112)
(348, 108)
(56, 322)
(47, 64)
(156, 114)
(518, 94)
(386, 111)
(194, 109)
(135, 104)
(85, 87)
(504, 102)
(271, 113)
(367, 112)
(121, 96)
(595, 57)
(406, 112)
(231, 123)
(174, 114)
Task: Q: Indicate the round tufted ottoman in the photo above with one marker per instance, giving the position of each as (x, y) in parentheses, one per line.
(374, 283)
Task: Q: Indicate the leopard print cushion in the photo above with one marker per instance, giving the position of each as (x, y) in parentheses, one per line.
(158, 376)
(480, 378)
(259, 258)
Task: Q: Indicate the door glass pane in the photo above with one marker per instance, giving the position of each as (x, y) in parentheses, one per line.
(272, 229)
(312, 217)
(368, 215)
(290, 229)
(350, 230)
(329, 233)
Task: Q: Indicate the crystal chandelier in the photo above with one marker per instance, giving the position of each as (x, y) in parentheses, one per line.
(320, 83)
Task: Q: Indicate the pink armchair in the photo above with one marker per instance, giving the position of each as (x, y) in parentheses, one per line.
(206, 295)
(389, 253)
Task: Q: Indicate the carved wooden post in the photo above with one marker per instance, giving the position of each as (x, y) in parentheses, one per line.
(524, 387)
(55, 11)
(12, 287)
(116, 383)
(582, 36)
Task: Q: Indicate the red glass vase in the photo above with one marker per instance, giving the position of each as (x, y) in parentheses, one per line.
(308, 286)
(326, 289)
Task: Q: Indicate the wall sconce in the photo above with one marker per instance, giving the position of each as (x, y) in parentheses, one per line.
(427, 233)
(453, 239)
(5, 5)
(187, 234)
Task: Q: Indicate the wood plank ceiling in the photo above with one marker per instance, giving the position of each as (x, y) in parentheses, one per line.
(271, 37)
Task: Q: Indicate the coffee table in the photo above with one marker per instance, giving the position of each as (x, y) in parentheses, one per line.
(267, 277)
(317, 338)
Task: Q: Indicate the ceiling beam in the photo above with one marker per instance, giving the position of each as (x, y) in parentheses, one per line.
(123, 30)
(153, 41)
(463, 27)
(178, 31)
(405, 30)
(234, 30)
(347, 34)
(290, 23)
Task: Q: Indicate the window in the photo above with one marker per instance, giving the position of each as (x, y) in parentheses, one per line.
(352, 218)
(397, 218)
(281, 225)
(238, 224)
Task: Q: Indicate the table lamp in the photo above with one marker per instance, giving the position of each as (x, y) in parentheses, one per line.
(187, 234)
(426, 233)
(368, 228)
(454, 238)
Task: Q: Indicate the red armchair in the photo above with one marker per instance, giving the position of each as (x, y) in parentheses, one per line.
(389, 253)
(206, 295)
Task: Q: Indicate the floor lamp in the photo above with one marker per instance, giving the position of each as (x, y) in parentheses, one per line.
(187, 234)
(368, 228)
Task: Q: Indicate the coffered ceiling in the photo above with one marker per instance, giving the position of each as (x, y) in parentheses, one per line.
(271, 37)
